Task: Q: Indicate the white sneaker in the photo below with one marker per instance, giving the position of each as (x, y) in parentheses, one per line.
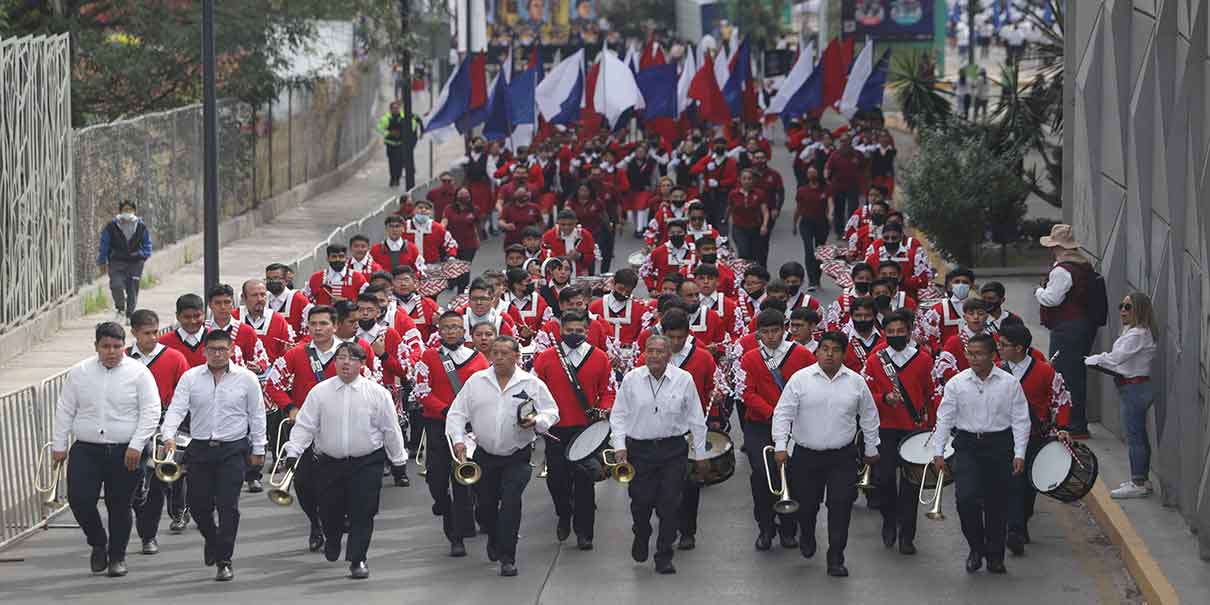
(1128, 489)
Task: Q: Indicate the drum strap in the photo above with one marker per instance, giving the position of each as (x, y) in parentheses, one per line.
(317, 368)
(451, 371)
(574, 379)
(888, 367)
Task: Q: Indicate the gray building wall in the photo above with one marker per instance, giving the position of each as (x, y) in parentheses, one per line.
(1137, 142)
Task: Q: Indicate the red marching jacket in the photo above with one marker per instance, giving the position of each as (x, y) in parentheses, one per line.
(916, 378)
(557, 247)
(626, 324)
(594, 374)
(552, 333)
(321, 293)
(292, 377)
(166, 368)
(433, 389)
(535, 313)
(389, 260)
(436, 243)
(757, 386)
(857, 353)
(274, 332)
(196, 355)
(1049, 401)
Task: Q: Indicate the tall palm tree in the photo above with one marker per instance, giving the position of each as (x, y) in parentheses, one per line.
(914, 80)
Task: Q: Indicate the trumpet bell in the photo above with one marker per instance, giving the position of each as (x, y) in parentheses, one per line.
(622, 472)
(168, 472)
(467, 473)
(785, 507)
(280, 497)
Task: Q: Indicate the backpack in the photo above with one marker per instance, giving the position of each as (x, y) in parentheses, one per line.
(1096, 299)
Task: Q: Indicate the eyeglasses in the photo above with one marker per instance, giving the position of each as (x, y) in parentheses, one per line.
(481, 299)
(218, 351)
(1125, 307)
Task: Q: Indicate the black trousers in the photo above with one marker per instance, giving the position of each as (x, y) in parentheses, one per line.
(814, 232)
(844, 205)
(216, 473)
(349, 488)
(716, 209)
(831, 473)
(395, 160)
(499, 497)
(1021, 492)
(451, 500)
(900, 500)
(691, 497)
(604, 237)
(305, 491)
(661, 467)
(756, 436)
(91, 465)
(459, 284)
(148, 513)
(572, 490)
(982, 473)
(272, 420)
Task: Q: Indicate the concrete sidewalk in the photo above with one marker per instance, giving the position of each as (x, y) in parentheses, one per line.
(290, 235)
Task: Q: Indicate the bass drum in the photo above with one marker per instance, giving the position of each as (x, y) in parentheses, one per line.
(584, 452)
(1062, 473)
(720, 457)
(916, 458)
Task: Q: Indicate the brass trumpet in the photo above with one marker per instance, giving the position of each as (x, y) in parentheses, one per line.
(466, 473)
(421, 450)
(50, 489)
(622, 472)
(167, 469)
(866, 480)
(279, 490)
(784, 505)
(934, 511)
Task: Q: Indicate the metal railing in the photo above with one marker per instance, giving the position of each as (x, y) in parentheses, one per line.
(26, 421)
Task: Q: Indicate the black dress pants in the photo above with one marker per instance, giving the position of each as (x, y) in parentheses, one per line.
(216, 473)
(831, 473)
(982, 473)
(349, 488)
(305, 491)
(395, 161)
(499, 497)
(451, 500)
(756, 436)
(148, 513)
(661, 467)
(89, 466)
(1022, 494)
(900, 500)
(571, 488)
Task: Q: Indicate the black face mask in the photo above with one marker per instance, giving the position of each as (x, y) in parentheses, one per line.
(882, 301)
(276, 286)
(574, 340)
(878, 220)
(757, 294)
(529, 290)
(403, 298)
(861, 288)
(677, 240)
(864, 325)
(337, 266)
(897, 342)
(366, 324)
(891, 247)
(994, 309)
(621, 297)
(452, 347)
(710, 259)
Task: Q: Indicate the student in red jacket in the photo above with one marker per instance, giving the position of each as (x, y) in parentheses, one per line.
(719, 176)
(221, 300)
(284, 301)
(337, 282)
(765, 371)
(359, 256)
(705, 325)
(572, 298)
(272, 328)
(395, 250)
(581, 402)
(862, 332)
(526, 308)
(166, 366)
(190, 334)
(900, 378)
(570, 240)
(621, 309)
(421, 310)
(439, 376)
(1049, 413)
(952, 358)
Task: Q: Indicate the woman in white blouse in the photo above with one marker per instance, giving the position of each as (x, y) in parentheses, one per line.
(1131, 358)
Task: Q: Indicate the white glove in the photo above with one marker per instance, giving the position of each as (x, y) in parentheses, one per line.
(711, 166)
(606, 167)
(712, 182)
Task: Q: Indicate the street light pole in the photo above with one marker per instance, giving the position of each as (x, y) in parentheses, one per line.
(405, 66)
(209, 150)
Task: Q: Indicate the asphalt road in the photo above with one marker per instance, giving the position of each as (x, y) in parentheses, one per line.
(1069, 560)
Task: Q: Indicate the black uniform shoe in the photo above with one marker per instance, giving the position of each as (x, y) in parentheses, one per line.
(255, 487)
(806, 546)
(358, 570)
(492, 554)
(687, 542)
(789, 541)
(179, 524)
(332, 550)
(208, 556)
(888, 535)
(906, 547)
(974, 562)
(457, 549)
(563, 529)
(117, 569)
(665, 568)
(996, 566)
(838, 570)
(150, 546)
(1025, 534)
(98, 561)
(508, 570)
(315, 542)
(583, 543)
(224, 573)
(403, 481)
(764, 541)
(638, 550)
(1015, 543)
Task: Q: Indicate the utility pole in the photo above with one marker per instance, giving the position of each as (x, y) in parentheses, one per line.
(209, 151)
(405, 66)
(971, 6)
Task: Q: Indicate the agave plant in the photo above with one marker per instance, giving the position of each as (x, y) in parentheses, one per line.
(914, 80)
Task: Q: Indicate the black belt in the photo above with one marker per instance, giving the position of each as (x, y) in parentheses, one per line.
(215, 442)
(842, 448)
(987, 435)
(326, 459)
(658, 440)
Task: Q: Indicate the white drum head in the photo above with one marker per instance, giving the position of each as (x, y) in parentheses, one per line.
(920, 449)
(1051, 467)
(717, 444)
(637, 258)
(588, 441)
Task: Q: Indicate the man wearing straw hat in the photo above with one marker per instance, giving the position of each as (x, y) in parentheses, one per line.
(1066, 296)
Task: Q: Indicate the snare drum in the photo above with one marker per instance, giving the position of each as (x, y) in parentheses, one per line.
(916, 453)
(1062, 473)
(585, 450)
(720, 458)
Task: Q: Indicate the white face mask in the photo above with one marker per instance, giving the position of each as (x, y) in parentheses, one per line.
(961, 291)
(127, 217)
(422, 219)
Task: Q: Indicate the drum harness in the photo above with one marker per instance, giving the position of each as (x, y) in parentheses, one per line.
(888, 367)
(581, 396)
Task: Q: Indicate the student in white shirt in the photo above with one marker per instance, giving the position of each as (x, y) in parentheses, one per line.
(351, 421)
(656, 405)
(989, 415)
(111, 405)
(506, 407)
(1131, 358)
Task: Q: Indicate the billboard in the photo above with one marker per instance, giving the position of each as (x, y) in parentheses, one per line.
(546, 22)
(888, 19)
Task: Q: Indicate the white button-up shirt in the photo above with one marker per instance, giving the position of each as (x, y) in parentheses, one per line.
(1058, 284)
(348, 420)
(1131, 354)
(1020, 368)
(647, 408)
(820, 413)
(146, 360)
(491, 408)
(899, 358)
(227, 411)
(576, 355)
(984, 406)
(104, 405)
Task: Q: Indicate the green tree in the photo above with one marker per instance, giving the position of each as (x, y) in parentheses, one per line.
(913, 79)
(758, 20)
(634, 18)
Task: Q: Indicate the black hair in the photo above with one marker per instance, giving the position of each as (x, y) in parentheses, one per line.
(792, 269)
(143, 318)
(974, 304)
(705, 241)
(676, 223)
(571, 315)
(863, 303)
(344, 309)
(674, 319)
(515, 276)
(359, 238)
(757, 271)
(111, 329)
(898, 316)
(774, 305)
(367, 296)
(218, 290)
(705, 270)
(892, 227)
(189, 302)
(531, 231)
(567, 214)
(985, 339)
(402, 270)
(668, 301)
(392, 219)
(959, 272)
(570, 292)
(890, 264)
(770, 317)
(352, 349)
(450, 314)
(805, 314)
(381, 275)
(676, 278)
(336, 249)
(627, 277)
(510, 340)
(276, 267)
(860, 268)
(322, 310)
(479, 284)
(778, 285)
(835, 337)
(994, 287)
(1017, 334)
(217, 336)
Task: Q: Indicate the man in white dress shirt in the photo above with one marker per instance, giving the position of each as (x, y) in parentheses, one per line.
(987, 409)
(351, 421)
(227, 423)
(656, 405)
(506, 408)
(111, 405)
(819, 411)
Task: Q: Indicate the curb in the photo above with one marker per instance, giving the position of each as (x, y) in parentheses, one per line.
(1154, 585)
